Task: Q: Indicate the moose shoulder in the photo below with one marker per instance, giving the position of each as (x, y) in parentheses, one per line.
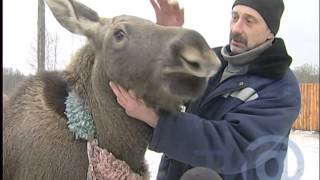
(165, 66)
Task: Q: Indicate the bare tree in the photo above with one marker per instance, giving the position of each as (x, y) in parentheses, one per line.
(41, 36)
(51, 52)
(11, 79)
(307, 73)
(32, 60)
(52, 44)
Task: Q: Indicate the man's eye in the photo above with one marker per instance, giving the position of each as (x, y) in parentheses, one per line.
(234, 18)
(250, 21)
(119, 34)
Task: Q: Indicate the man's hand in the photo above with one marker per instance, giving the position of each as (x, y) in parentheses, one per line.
(133, 106)
(168, 12)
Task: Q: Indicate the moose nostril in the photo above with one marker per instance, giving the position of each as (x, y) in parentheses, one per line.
(193, 65)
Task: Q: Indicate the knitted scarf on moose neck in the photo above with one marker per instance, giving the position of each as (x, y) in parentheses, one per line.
(103, 165)
(80, 120)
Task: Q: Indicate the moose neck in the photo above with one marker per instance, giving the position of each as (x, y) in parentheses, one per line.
(125, 137)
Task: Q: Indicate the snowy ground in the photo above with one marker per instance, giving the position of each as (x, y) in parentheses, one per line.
(304, 167)
(307, 167)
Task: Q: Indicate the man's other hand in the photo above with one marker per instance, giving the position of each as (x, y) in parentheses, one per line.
(168, 12)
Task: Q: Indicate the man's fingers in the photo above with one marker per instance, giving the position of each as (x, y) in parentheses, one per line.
(121, 102)
(126, 96)
(155, 6)
(134, 96)
(182, 13)
(175, 6)
(167, 6)
(177, 10)
(122, 95)
(163, 4)
(126, 99)
(180, 16)
(115, 89)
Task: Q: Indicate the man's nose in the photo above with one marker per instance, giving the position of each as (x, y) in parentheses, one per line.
(237, 27)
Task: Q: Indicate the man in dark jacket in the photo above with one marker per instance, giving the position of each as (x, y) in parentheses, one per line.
(240, 126)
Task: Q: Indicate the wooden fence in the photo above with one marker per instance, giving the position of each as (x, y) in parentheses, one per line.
(308, 118)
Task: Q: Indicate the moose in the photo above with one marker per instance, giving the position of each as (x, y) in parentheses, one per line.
(165, 66)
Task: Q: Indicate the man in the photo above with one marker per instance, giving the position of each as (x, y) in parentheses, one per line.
(240, 126)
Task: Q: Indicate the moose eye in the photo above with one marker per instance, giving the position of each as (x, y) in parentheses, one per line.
(119, 34)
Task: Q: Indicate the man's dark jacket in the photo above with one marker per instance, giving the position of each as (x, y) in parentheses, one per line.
(239, 127)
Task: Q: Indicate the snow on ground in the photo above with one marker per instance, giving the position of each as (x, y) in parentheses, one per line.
(304, 166)
(307, 166)
(153, 160)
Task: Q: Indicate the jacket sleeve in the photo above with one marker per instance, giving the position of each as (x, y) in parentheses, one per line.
(229, 144)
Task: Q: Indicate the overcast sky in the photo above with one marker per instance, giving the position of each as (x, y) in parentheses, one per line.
(299, 27)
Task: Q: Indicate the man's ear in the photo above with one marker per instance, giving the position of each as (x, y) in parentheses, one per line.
(270, 35)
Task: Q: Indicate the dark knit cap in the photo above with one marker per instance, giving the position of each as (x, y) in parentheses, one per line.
(270, 10)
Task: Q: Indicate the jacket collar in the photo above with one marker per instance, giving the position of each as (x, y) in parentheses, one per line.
(272, 63)
(245, 57)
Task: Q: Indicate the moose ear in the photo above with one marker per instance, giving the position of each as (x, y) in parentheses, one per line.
(74, 16)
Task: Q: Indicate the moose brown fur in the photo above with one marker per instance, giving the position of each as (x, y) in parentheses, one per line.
(165, 66)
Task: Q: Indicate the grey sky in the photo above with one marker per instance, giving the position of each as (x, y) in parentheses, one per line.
(299, 26)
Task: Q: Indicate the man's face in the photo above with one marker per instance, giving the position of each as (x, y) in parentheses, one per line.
(247, 29)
